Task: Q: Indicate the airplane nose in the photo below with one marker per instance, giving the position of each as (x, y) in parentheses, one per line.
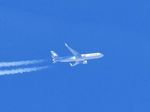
(100, 55)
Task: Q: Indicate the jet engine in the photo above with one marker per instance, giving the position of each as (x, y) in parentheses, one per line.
(85, 62)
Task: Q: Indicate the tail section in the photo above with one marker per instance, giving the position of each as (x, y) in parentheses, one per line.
(54, 56)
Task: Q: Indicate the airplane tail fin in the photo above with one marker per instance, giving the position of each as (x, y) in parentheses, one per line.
(54, 56)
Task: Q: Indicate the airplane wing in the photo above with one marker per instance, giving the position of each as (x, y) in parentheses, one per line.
(75, 53)
(74, 64)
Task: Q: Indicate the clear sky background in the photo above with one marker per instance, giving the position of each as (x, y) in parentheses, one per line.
(119, 82)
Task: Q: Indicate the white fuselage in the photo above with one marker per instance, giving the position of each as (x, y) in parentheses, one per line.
(81, 58)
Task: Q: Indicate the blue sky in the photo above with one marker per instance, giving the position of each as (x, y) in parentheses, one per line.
(119, 82)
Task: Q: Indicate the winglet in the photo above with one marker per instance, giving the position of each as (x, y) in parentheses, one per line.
(66, 44)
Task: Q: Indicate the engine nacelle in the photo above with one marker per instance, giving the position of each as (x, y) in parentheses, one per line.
(85, 62)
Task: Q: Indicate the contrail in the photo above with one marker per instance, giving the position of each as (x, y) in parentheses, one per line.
(20, 63)
(21, 70)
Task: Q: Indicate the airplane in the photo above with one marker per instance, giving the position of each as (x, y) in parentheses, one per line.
(77, 58)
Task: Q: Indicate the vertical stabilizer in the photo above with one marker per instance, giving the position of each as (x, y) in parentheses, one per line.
(54, 56)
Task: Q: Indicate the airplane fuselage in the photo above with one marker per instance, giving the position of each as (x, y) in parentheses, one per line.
(80, 58)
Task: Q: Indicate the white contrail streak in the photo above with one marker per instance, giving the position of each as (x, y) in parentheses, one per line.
(20, 63)
(21, 70)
